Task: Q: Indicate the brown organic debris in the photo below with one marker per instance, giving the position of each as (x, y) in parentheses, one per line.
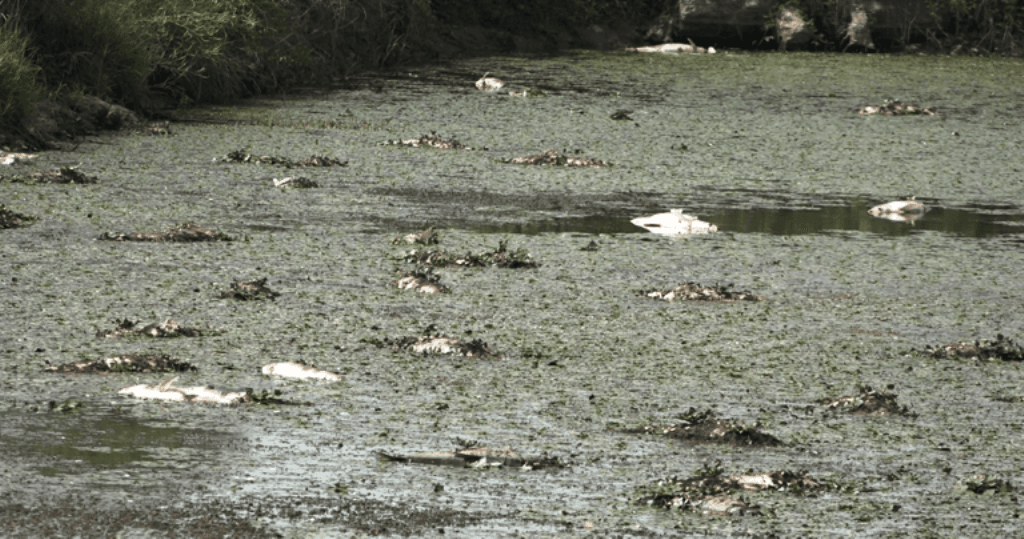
(698, 292)
(424, 237)
(249, 290)
(477, 457)
(980, 484)
(185, 233)
(433, 140)
(895, 107)
(62, 175)
(10, 219)
(1002, 348)
(552, 157)
(868, 401)
(242, 156)
(712, 493)
(703, 428)
(502, 258)
(127, 363)
(432, 342)
(424, 282)
(298, 182)
(170, 328)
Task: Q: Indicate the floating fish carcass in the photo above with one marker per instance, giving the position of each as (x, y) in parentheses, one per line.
(292, 369)
(674, 223)
(488, 83)
(167, 391)
(904, 211)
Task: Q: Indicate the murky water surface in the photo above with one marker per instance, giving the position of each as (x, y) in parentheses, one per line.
(767, 147)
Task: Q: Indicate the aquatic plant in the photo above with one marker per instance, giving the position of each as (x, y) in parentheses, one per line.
(127, 363)
(12, 219)
(1002, 348)
(170, 328)
(249, 290)
(868, 401)
(183, 233)
(62, 175)
(501, 257)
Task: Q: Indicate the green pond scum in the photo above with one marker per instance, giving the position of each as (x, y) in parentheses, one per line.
(777, 157)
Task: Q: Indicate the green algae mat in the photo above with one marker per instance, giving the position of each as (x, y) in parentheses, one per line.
(583, 368)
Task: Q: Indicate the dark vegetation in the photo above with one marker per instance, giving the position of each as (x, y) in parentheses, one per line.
(155, 55)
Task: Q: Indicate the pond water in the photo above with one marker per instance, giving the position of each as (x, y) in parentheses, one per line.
(769, 147)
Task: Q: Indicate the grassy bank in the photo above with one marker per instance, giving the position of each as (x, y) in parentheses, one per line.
(158, 54)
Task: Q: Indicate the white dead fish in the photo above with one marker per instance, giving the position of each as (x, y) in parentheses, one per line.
(905, 211)
(487, 83)
(166, 391)
(674, 48)
(674, 223)
(420, 282)
(292, 369)
(14, 158)
(437, 345)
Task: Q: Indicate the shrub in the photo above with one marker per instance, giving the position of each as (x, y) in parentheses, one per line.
(18, 84)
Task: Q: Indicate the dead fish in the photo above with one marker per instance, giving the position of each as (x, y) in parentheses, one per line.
(166, 391)
(488, 83)
(422, 282)
(15, 158)
(899, 210)
(292, 369)
(674, 223)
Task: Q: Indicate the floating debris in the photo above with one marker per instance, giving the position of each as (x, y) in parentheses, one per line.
(710, 493)
(167, 391)
(529, 92)
(10, 219)
(162, 129)
(552, 157)
(170, 328)
(185, 233)
(425, 282)
(674, 223)
(868, 402)
(502, 258)
(13, 158)
(1002, 348)
(298, 182)
(292, 369)
(61, 175)
(477, 457)
(674, 48)
(432, 342)
(592, 246)
(698, 292)
(249, 290)
(895, 107)
(702, 428)
(127, 363)
(433, 140)
(982, 484)
(902, 211)
(242, 156)
(488, 83)
(621, 115)
(425, 237)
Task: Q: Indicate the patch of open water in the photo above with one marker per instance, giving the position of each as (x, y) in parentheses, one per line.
(787, 222)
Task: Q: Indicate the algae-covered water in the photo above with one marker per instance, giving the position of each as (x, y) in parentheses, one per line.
(767, 146)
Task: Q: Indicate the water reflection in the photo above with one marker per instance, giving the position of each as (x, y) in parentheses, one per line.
(104, 441)
(788, 222)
